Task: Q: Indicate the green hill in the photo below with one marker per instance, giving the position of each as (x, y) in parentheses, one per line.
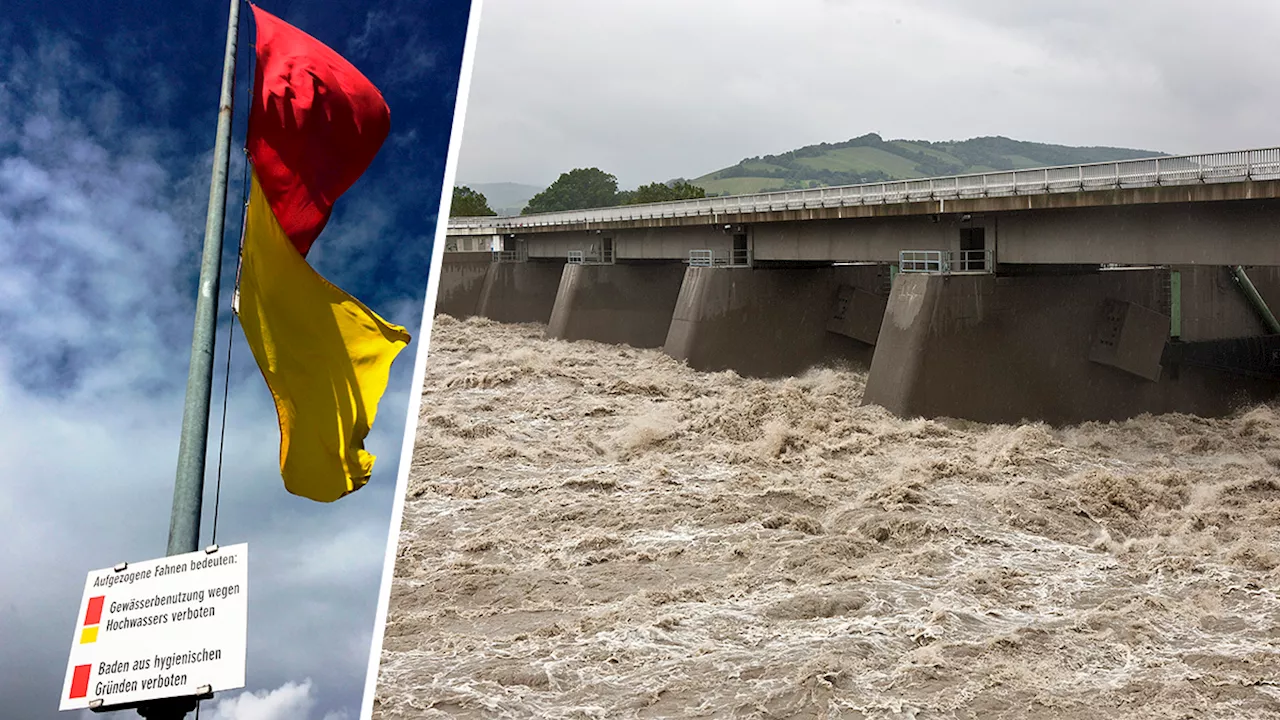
(872, 159)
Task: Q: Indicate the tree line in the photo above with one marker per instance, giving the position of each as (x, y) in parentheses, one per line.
(580, 189)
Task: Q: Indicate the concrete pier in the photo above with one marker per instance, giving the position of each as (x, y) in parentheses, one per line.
(1061, 348)
(768, 322)
(462, 276)
(627, 304)
(520, 292)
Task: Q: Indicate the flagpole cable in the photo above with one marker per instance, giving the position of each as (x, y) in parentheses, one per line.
(222, 434)
(231, 331)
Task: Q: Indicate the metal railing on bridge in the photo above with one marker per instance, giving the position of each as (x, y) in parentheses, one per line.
(520, 253)
(1236, 166)
(945, 261)
(710, 258)
(591, 257)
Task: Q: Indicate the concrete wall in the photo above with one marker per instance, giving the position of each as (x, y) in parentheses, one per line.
(654, 243)
(1001, 349)
(557, 245)
(623, 304)
(1217, 233)
(1213, 306)
(520, 292)
(672, 243)
(461, 281)
(866, 240)
(765, 322)
(1221, 232)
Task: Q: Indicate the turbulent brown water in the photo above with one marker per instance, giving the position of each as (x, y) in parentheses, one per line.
(594, 531)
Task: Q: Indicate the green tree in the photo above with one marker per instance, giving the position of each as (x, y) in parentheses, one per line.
(686, 191)
(469, 203)
(662, 192)
(577, 189)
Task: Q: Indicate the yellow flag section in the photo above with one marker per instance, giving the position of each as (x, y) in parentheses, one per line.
(325, 356)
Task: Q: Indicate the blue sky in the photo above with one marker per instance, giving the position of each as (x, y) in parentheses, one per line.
(107, 114)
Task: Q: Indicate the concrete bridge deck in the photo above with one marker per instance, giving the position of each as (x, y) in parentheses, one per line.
(1235, 175)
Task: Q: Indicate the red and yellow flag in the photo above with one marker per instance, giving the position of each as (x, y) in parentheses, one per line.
(315, 125)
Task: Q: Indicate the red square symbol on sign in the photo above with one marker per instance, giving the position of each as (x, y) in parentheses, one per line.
(80, 682)
(93, 615)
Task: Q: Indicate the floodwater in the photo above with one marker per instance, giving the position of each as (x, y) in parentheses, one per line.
(594, 531)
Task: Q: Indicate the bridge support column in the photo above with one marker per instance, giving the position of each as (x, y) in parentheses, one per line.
(462, 276)
(520, 292)
(767, 322)
(1060, 348)
(627, 304)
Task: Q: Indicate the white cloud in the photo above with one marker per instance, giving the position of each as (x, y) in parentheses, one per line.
(291, 701)
(654, 89)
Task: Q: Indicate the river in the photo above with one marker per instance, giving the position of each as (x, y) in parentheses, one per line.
(596, 531)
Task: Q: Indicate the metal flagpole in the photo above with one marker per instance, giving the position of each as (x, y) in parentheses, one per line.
(188, 486)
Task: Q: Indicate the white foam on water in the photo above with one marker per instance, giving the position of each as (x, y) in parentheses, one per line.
(595, 531)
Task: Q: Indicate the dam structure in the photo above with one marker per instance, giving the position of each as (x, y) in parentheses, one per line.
(1063, 294)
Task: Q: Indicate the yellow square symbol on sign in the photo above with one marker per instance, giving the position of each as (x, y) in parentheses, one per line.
(88, 635)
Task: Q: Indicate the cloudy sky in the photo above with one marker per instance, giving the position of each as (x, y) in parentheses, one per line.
(655, 89)
(107, 114)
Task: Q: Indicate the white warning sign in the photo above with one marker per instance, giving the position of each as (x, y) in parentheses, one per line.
(164, 628)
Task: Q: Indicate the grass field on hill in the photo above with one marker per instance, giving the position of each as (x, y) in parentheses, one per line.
(872, 159)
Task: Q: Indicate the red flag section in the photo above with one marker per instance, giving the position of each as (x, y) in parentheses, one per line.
(315, 125)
